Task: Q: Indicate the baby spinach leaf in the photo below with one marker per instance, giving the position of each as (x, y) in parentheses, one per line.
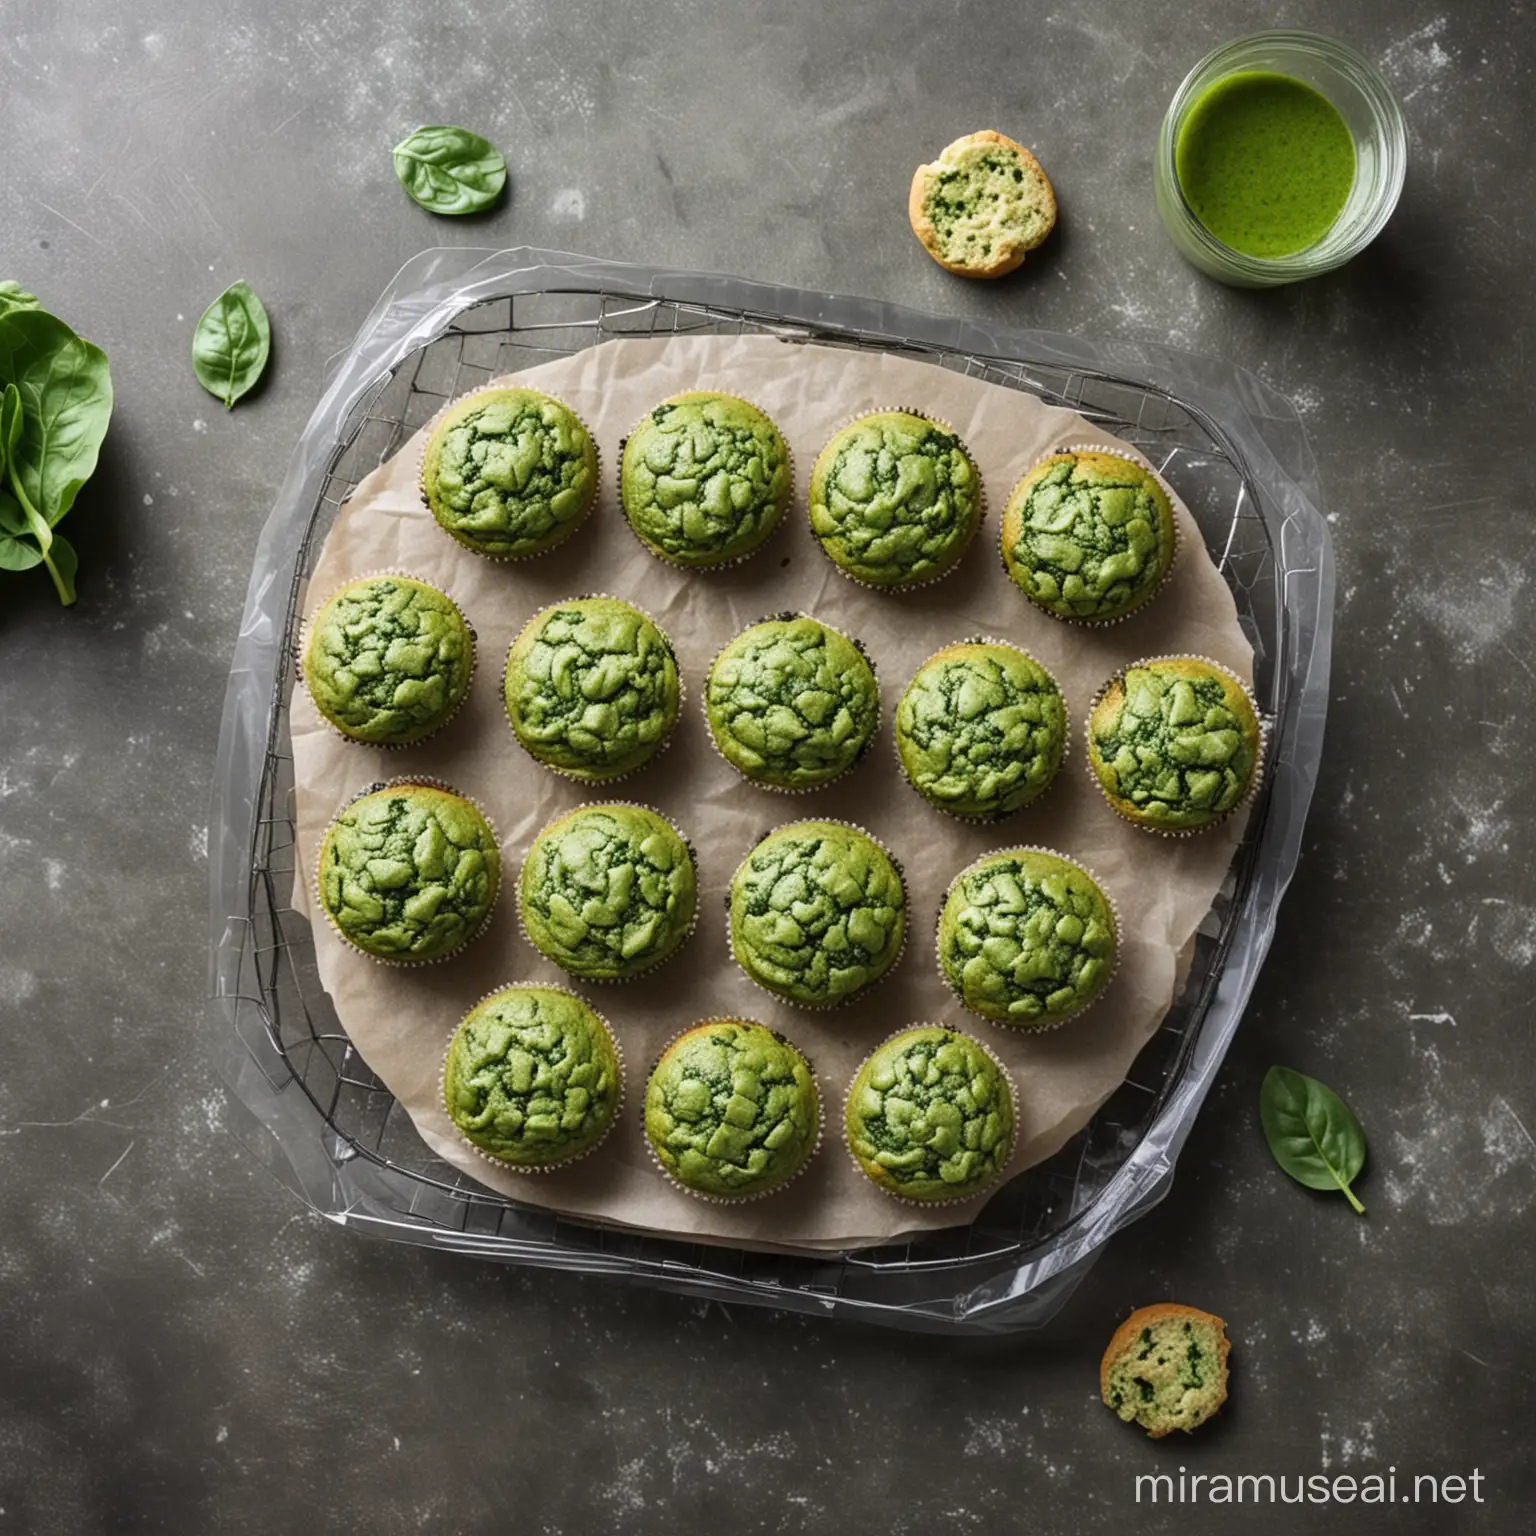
(450, 170)
(17, 551)
(14, 296)
(231, 344)
(1312, 1132)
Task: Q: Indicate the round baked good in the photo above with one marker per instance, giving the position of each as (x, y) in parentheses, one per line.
(818, 912)
(1166, 1368)
(704, 479)
(532, 1077)
(1089, 535)
(608, 891)
(731, 1110)
(930, 1116)
(1026, 938)
(791, 703)
(982, 206)
(509, 472)
(981, 729)
(409, 872)
(895, 500)
(388, 660)
(591, 688)
(1174, 743)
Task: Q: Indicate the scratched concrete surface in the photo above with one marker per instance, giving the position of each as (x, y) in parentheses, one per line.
(184, 1348)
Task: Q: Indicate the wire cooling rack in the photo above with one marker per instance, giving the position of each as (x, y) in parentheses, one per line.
(341, 1140)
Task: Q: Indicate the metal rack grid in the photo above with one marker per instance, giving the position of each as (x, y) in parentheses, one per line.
(277, 993)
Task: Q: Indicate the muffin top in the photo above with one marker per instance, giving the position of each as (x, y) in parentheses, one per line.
(388, 660)
(1026, 938)
(532, 1076)
(792, 703)
(1174, 743)
(1088, 535)
(895, 499)
(409, 872)
(704, 479)
(930, 1116)
(981, 729)
(818, 912)
(591, 687)
(509, 472)
(608, 891)
(731, 1109)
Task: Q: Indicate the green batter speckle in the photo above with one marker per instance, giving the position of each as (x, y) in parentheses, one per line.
(732, 1110)
(532, 1077)
(1026, 938)
(409, 872)
(930, 1116)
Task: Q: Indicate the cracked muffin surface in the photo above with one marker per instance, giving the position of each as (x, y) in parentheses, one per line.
(981, 729)
(732, 1110)
(409, 872)
(1166, 1368)
(818, 912)
(704, 479)
(532, 1076)
(895, 499)
(509, 472)
(591, 688)
(388, 659)
(1026, 938)
(1088, 535)
(792, 703)
(1174, 743)
(608, 891)
(930, 1116)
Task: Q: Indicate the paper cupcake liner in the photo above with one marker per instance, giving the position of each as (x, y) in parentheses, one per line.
(999, 816)
(573, 1157)
(726, 561)
(1132, 455)
(574, 774)
(469, 394)
(1260, 755)
(896, 589)
(794, 789)
(301, 652)
(408, 780)
(750, 1195)
(1025, 1030)
(993, 1184)
(671, 954)
(869, 986)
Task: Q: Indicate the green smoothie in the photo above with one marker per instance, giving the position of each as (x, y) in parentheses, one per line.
(1265, 162)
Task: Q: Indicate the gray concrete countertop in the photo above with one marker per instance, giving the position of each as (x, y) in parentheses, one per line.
(183, 1348)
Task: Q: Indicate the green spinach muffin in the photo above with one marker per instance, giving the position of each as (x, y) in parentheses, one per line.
(704, 479)
(409, 872)
(1089, 535)
(930, 1116)
(509, 472)
(981, 729)
(732, 1111)
(388, 660)
(792, 704)
(818, 912)
(532, 1077)
(592, 688)
(608, 891)
(1026, 938)
(1174, 743)
(1166, 1368)
(895, 500)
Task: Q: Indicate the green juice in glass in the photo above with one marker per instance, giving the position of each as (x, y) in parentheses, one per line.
(1265, 163)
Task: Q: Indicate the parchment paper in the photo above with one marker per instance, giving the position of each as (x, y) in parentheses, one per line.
(400, 1019)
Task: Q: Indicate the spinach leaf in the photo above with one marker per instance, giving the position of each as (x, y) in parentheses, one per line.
(14, 296)
(450, 170)
(231, 344)
(1312, 1132)
(17, 551)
